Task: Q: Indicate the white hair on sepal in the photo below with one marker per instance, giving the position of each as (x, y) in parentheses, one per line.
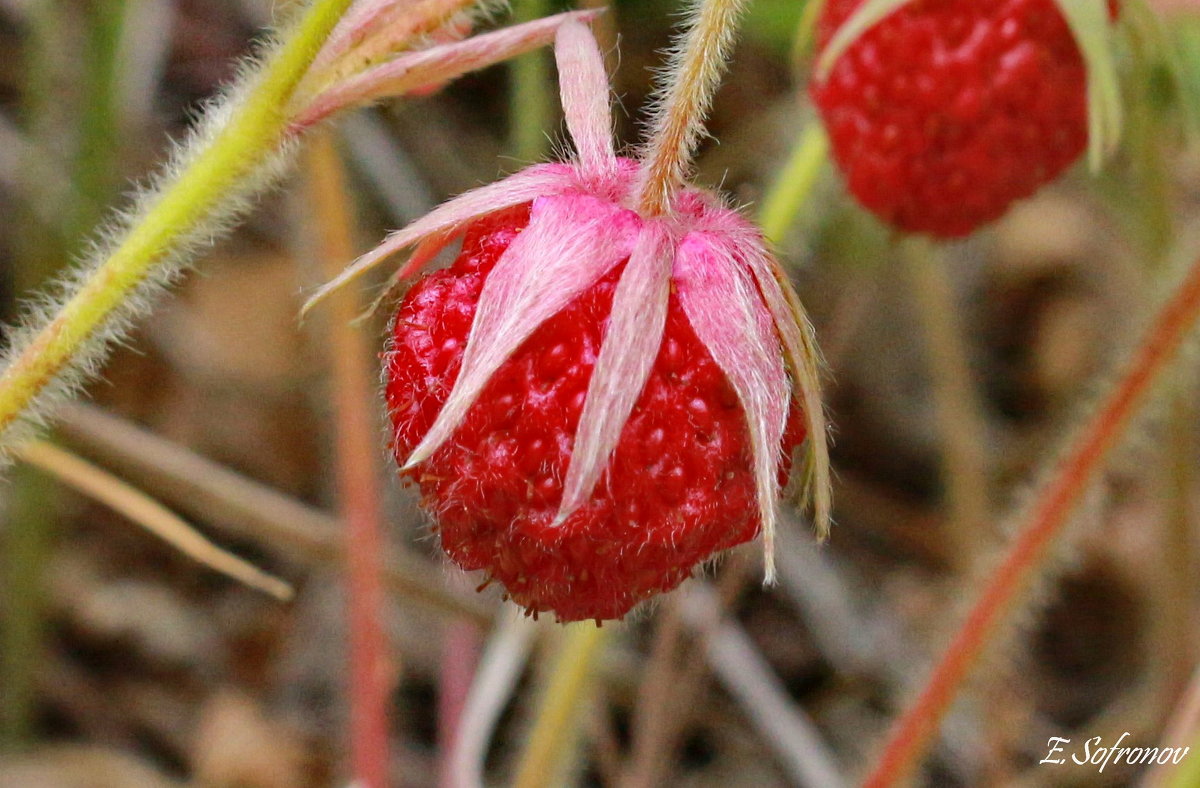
(41, 309)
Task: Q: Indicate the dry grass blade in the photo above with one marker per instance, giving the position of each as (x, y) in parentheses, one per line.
(651, 733)
(246, 509)
(749, 679)
(496, 677)
(149, 514)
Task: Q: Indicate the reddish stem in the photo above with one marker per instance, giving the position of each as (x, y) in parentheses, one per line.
(910, 735)
(357, 481)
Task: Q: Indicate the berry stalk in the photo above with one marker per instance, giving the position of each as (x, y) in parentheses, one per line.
(795, 185)
(959, 414)
(695, 71)
(910, 735)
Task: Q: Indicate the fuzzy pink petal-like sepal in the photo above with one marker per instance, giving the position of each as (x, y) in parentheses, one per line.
(630, 346)
(449, 218)
(727, 313)
(571, 241)
(434, 65)
(583, 86)
(800, 346)
(358, 22)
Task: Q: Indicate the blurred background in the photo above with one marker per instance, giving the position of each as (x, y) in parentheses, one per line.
(950, 383)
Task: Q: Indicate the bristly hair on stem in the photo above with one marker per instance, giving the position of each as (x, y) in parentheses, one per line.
(695, 69)
(1041, 525)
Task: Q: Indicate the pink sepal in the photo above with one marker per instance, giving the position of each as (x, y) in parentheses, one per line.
(450, 218)
(727, 313)
(583, 86)
(571, 241)
(434, 65)
(628, 352)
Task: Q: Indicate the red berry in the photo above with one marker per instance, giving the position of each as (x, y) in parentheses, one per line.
(679, 486)
(946, 111)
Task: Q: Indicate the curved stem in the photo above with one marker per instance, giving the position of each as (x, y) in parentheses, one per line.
(695, 72)
(1088, 449)
(253, 135)
(795, 184)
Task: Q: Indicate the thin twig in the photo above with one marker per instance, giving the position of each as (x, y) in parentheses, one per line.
(149, 514)
(654, 699)
(748, 677)
(960, 418)
(681, 685)
(245, 509)
(1088, 449)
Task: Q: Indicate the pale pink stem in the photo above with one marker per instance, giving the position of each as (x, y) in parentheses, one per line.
(460, 654)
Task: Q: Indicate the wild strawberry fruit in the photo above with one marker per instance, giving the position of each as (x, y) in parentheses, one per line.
(678, 487)
(946, 111)
(594, 399)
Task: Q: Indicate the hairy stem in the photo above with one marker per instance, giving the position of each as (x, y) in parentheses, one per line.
(1088, 449)
(695, 72)
(252, 136)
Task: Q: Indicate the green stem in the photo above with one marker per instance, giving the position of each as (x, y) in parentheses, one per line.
(530, 104)
(557, 724)
(795, 184)
(99, 139)
(27, 546)
(213, 180)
